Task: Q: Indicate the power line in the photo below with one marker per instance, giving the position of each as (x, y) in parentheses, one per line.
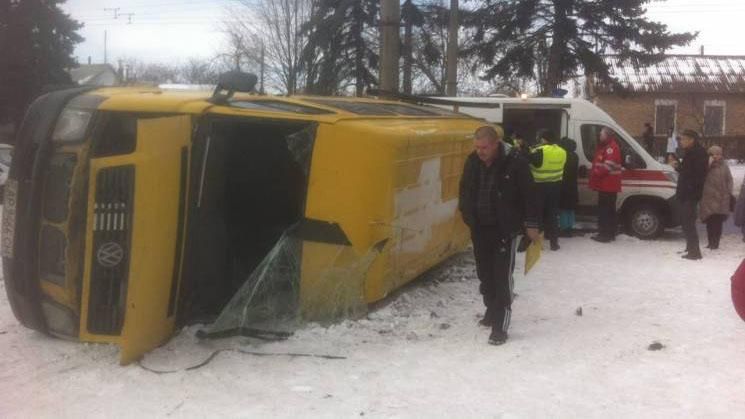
(156, 5)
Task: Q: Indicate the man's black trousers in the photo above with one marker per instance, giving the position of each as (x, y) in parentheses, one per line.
(495, 262)
(550, 195)
(607, 224)
(688, 215)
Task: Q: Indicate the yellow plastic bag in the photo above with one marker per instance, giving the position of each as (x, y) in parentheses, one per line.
(533, 253)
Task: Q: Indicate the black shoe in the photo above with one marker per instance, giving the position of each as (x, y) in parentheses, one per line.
(602, 239)
(555, 246)
(497, 337)
(692, 256)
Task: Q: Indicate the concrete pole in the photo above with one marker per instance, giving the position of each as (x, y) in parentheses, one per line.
(390, 22)
(105, 46)
(263, 63)
(451, 87)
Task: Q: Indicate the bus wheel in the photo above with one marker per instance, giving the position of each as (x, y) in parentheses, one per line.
(645, 221)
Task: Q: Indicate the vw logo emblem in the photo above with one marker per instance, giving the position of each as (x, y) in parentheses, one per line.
(110, 255)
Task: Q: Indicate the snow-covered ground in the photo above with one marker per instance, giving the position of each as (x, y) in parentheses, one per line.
(423, 355)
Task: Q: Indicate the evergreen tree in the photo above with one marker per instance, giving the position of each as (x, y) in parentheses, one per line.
(341, 46)
(37, 40)
(514, 38)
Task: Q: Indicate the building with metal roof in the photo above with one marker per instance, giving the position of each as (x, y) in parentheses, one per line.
(682, 73)
(705, 93)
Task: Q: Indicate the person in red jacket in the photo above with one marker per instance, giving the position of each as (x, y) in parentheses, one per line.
(605, 177)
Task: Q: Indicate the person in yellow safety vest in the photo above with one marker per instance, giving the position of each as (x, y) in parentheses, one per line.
(547, 166)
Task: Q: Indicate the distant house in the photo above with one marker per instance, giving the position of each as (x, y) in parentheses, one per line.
(95, 75)
(705, 93)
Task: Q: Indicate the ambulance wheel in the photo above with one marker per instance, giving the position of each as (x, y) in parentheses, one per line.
(645, 221)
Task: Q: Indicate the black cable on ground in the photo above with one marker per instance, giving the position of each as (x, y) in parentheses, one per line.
(249, 332)
(219, 351)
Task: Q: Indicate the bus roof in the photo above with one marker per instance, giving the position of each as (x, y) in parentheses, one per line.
(320, 108)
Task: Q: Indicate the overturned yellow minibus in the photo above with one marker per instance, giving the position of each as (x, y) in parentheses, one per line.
(131, 211)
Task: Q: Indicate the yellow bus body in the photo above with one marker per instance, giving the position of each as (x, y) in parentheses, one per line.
(388, 182)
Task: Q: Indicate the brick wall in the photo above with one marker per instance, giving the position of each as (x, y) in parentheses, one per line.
(633, 111)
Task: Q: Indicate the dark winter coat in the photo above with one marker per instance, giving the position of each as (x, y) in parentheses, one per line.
(648, 137)
(514, 196)
(717, 190)
(740, 208)
(569, 192)
(692, 170)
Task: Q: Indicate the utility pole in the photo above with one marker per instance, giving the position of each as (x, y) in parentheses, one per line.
(129, 17)
(407, 52)
(451, 87)
(105, 46)
(390, 21)
(263, 63)
(113, 9)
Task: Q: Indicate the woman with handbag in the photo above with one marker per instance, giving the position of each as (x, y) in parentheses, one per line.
(716, 199)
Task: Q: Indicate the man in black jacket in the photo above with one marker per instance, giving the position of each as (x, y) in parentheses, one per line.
(497, 199)
(690, 188)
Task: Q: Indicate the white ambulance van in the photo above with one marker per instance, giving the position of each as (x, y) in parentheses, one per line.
(645, 202)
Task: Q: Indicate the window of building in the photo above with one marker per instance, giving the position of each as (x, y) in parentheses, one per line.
(664, 116)
(714, 111)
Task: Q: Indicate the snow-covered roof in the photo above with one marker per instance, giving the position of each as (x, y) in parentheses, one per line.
(682, 73)
(94, 75)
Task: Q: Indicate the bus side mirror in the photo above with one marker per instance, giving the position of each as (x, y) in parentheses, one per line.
(582, 172)
(231, 82)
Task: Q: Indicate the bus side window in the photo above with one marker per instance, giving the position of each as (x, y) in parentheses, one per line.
(118, 136)
(590, 137)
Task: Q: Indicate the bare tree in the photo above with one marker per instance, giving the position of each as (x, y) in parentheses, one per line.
(198, 71)
(139, 72)
(276, 25)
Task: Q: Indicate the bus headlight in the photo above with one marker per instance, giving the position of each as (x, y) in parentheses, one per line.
(9, 218)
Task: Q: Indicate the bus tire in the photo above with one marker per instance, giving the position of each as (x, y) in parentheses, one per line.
(645, 221)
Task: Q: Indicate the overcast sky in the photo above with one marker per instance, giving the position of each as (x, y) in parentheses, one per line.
(173, 30)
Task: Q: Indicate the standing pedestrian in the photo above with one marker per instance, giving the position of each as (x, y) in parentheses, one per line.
(715, 199)
(690, 189)
(569, 192)
(671, 148)
(496, 201)
(605, 178)
(547, 166)
(740, 210)
(648, 138)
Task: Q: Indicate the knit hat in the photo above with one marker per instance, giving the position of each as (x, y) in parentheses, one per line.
(690, 134)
